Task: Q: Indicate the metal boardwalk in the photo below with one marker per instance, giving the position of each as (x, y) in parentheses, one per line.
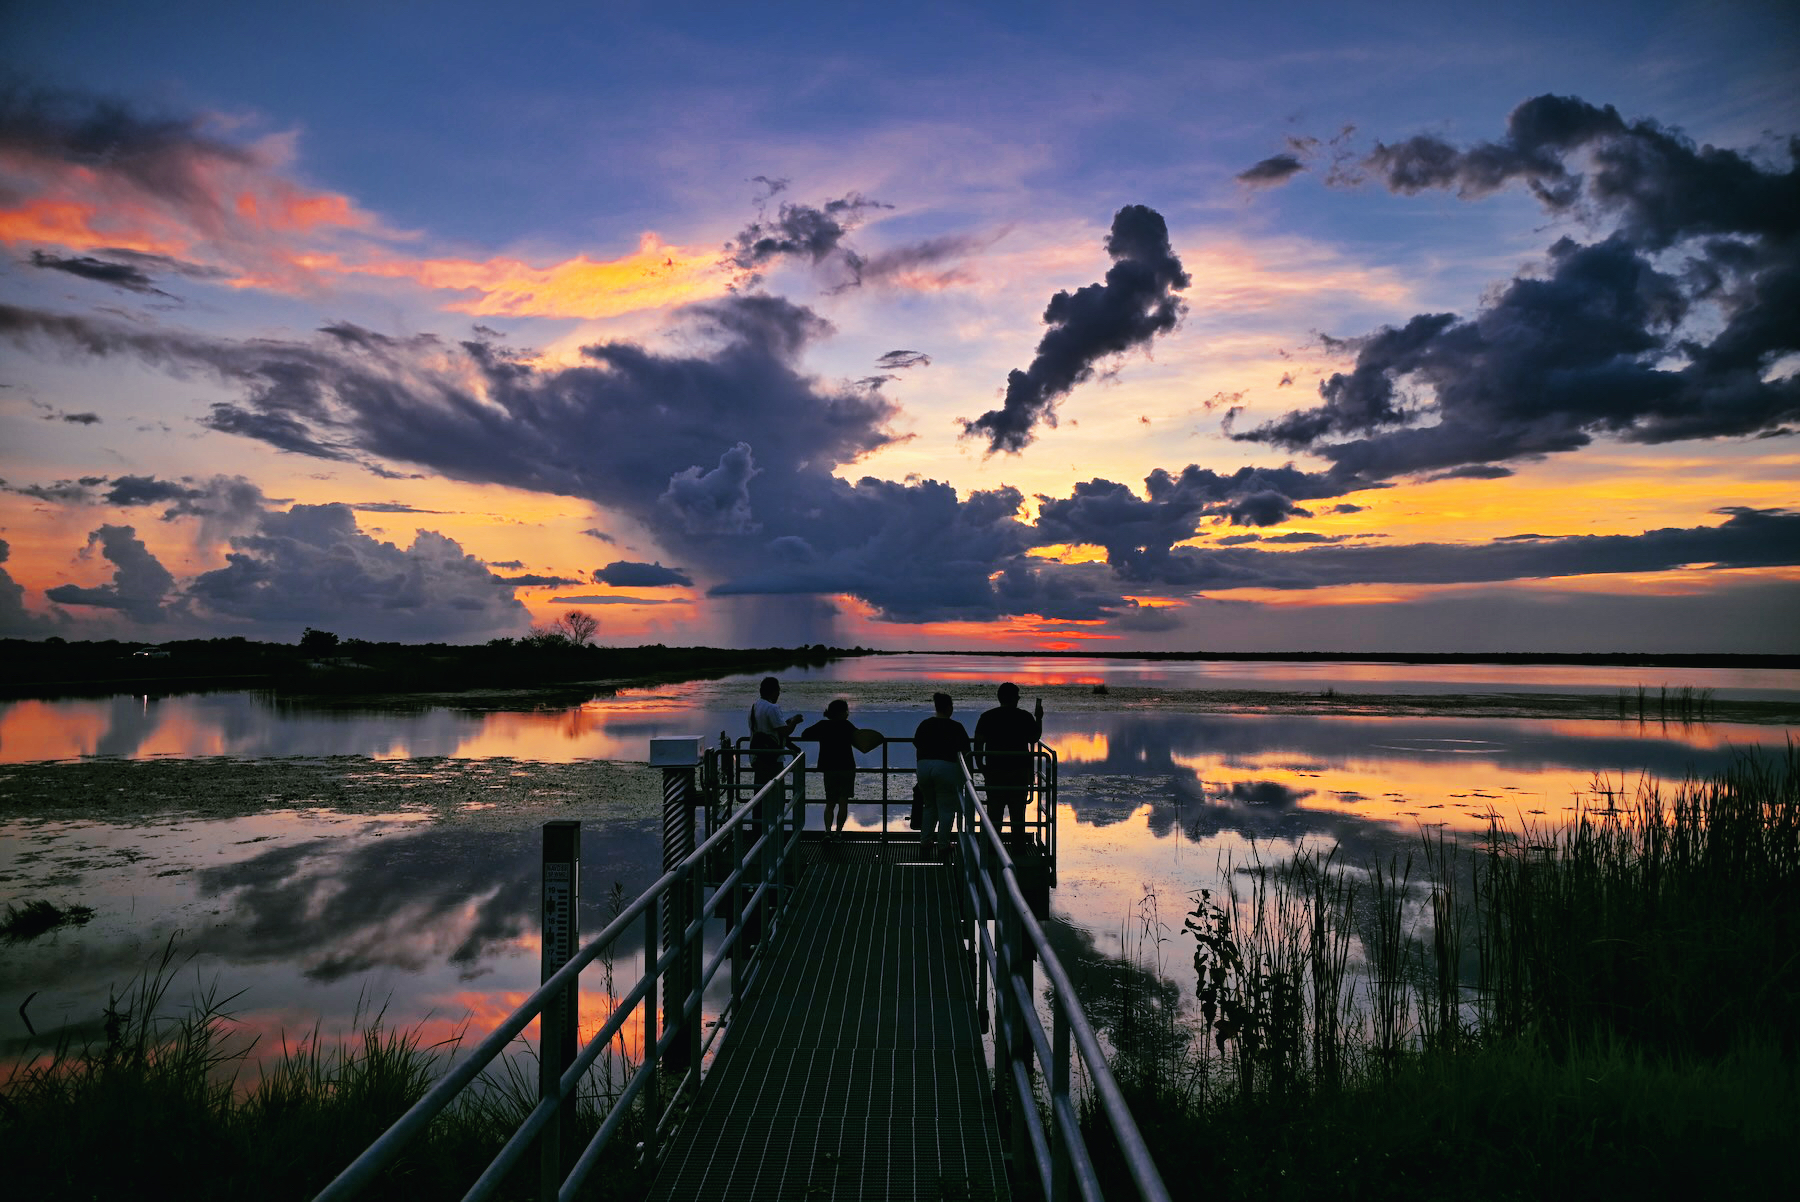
(854, 1068)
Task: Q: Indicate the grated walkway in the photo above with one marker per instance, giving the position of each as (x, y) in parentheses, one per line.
(855, 1069)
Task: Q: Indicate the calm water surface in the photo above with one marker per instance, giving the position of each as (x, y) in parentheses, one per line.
(314, 913)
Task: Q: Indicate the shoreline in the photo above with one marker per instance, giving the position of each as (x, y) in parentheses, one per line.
(1775, 661)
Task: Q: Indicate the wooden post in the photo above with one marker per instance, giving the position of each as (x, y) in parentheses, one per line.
(557, 1023)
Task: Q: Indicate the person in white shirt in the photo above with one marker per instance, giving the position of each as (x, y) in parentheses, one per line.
(769, 729)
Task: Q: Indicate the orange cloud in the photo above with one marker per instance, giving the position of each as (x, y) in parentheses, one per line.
(233, 211)
(656, 275)
(73, 225)
(227, 207)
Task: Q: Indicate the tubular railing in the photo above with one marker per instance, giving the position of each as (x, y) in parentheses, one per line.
(1040, 819)
(1008, 940)
(760, 839)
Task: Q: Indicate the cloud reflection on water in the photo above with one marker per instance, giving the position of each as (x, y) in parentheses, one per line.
(317, 914)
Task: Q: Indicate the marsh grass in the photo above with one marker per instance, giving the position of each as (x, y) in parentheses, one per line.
(162, 1106)
(40, 917)
(1606, 1006)
(1684, 704)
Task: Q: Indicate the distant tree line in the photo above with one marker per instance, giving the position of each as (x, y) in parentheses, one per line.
(560, 654)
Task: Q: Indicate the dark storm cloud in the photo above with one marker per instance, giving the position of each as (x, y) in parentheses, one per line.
(128, 491)
(1475, 471)
(715, 501)
(60, 492)
(313, 560)
(819, 237)
(226, 506)
(1749, 538)
(900, 360)
(392, 507)
(119, 275)
(1276, 169)
(726, 455)
(530, 580)
(140, 584)
(615, 432)
(1135, 303)
(1149, 619)
(813, 234)
(1660, 185)
(622, 573)
(15, 620)
(1138, 532)
(1614, 339)
(914, 549)
(600, 534)
(165, 156)
(1264, 508)
(799, 230)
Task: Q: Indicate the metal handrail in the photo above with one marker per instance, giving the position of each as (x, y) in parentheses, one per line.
(1059, 1156)
(1042, 821)
(762, 859)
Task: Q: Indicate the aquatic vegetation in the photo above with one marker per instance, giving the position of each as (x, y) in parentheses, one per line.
(40, 917)
(1613, 1001)
(160, 1106)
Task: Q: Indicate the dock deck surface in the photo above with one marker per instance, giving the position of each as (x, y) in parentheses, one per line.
(854, 1068)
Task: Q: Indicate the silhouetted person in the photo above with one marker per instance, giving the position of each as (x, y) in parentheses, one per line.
(942, 744)
(1004, 737)
(837, 759)
(769, 729)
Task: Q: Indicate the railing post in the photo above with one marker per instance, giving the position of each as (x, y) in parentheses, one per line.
(1019, 966)
(677, 756)
(652, 1096)
(884, 792)
(734, 914)
(556, 1025)
(1061, 1174)
(690, 983)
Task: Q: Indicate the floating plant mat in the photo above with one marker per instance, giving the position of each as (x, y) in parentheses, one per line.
(499, 793)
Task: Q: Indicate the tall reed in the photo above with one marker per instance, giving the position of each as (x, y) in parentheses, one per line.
(1666, 917)
(159, 1107)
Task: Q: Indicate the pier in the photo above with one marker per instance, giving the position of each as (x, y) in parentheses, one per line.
(821, 1017)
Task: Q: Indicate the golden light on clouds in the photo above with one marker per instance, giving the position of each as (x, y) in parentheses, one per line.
(1070, 553)
(73, 225)
(656, 275)
(238, 216)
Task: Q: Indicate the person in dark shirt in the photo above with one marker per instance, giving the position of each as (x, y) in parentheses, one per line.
(1004, 737)
(942, 744)
(837, 760)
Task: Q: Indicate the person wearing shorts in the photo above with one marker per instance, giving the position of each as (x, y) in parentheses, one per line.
(942, 744)
(837, 761)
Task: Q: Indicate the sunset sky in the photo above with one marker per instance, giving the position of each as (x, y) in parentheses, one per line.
(1124, 326)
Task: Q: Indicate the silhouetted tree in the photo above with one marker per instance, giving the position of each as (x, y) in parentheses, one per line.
(578, 626)
(318, 642)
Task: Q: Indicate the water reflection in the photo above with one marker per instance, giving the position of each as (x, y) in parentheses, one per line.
(316, 913)
(1284, 676)
(890, 693)
(314, 916)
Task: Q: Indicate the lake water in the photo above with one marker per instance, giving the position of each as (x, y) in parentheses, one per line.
(315, 911)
